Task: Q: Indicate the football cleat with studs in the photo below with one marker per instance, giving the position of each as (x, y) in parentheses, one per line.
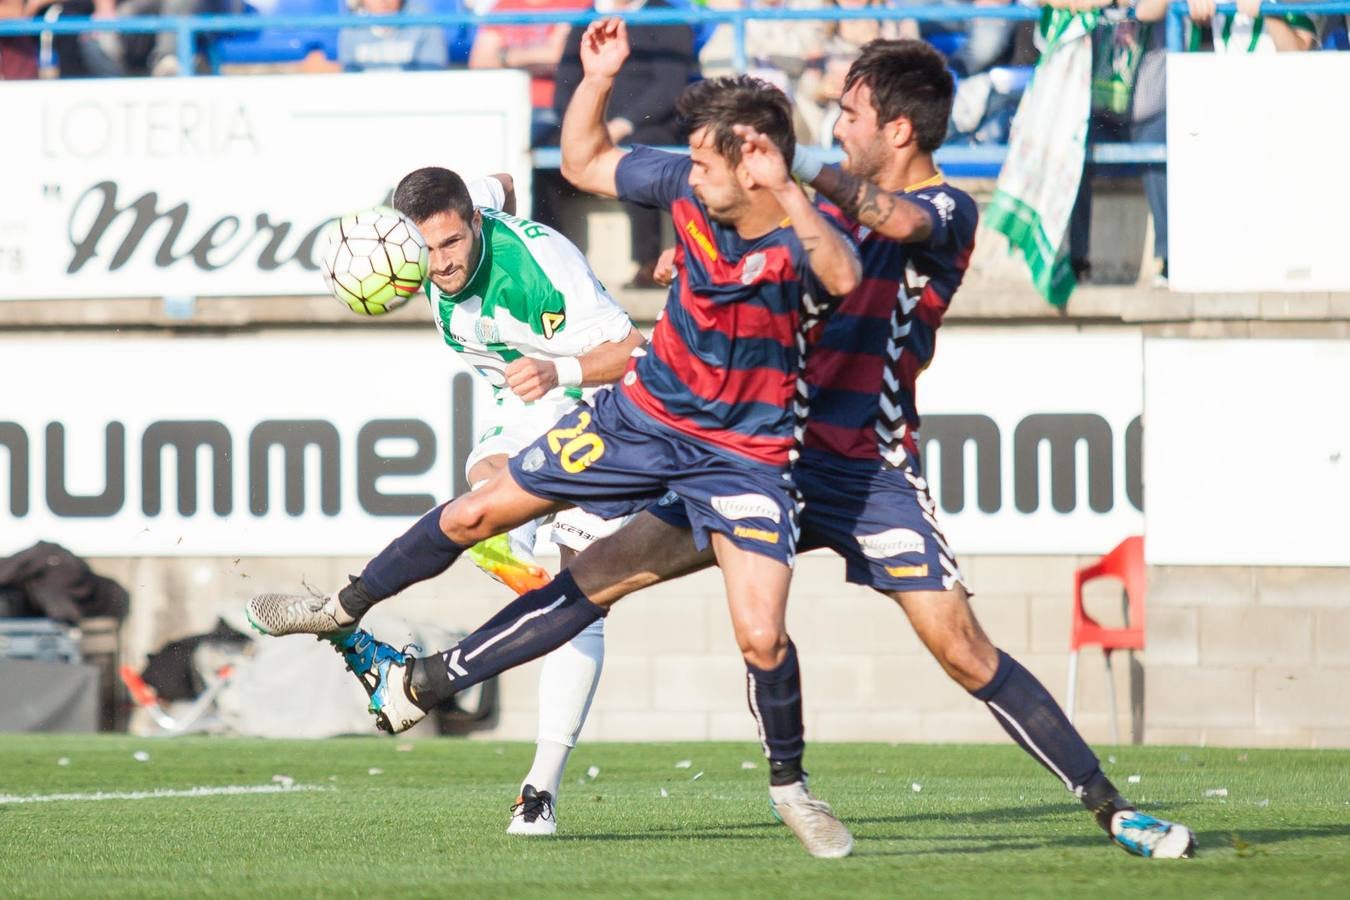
(1143, 835)
(812, 820)
(382, 671)
(532, 813)
(281, 614)
(510, 562)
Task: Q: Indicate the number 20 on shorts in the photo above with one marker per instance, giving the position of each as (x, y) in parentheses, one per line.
(576, 448)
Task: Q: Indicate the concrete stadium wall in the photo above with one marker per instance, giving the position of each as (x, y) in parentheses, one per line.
(1235, 657)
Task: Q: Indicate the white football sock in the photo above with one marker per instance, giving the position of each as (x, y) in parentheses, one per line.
(566, 687)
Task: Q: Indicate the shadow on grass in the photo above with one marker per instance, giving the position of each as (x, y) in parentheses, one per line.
(1256, 838)
(972, 844)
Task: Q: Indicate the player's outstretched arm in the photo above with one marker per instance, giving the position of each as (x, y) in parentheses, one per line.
(833, 259)
(530, 378)
(589, 157)
(509, 189)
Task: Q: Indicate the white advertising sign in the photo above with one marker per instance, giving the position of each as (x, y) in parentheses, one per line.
(330, 443)
(322, 444)
(1031, 439)
(1246, 136)
(167, 187)
(1247, 452)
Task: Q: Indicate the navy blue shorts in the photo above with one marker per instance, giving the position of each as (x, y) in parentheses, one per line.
(611, 459)
(881, 520)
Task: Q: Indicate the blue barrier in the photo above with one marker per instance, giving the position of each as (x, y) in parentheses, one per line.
(959, 161)
(971, 160)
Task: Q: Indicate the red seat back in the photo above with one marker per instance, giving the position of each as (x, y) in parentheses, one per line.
(1126, 564)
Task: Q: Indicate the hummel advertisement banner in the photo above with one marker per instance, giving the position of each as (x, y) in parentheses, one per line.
(330, 443)
(196, 187)
(320, 444)
(1031, 439)
(1247, 453)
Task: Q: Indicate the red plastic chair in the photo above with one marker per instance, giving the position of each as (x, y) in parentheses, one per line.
(1126, 563)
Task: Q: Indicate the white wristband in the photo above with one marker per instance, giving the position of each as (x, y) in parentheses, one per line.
(569, 371)
(807, 163)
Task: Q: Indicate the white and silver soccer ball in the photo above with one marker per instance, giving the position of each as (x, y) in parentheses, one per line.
(375, 260)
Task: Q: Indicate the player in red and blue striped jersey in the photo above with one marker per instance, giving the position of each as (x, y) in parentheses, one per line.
(860, 477)
(706, 413)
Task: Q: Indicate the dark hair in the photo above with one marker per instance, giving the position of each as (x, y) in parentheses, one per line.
(908, 80)
(426, 192)
(719, 103)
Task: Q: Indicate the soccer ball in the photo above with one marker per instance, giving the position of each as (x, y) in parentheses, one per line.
(376, 259)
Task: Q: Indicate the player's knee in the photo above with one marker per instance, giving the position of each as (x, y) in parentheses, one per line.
(762, 647)
(969, 658)
(463, 519)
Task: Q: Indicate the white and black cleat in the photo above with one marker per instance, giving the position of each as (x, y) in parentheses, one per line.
(533, 813)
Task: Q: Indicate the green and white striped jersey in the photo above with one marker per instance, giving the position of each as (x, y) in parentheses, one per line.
(533, 294)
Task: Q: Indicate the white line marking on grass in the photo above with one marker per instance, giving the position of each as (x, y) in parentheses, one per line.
(227, 790)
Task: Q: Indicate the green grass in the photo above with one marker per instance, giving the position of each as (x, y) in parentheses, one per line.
(985, 822)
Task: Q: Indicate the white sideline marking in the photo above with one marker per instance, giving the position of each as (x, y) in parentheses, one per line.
(227, 790)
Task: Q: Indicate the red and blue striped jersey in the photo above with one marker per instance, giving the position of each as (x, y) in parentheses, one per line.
(865, 359)
(725, 356)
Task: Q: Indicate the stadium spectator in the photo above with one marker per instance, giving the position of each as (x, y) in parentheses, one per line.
(534, 48)
(778, 51)
(90, 54)
(822, 83)
(18, 55)
(641, 110)
(1249, 31)
(1129, 100)
(376, 48)
(988, 42)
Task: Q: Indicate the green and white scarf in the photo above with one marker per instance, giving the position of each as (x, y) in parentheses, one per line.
(1039, 182)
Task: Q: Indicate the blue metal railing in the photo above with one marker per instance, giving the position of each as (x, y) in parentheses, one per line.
(188, 27)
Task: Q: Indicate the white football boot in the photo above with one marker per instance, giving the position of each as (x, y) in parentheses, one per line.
(282, 614)
(533, 813)
(812, 820)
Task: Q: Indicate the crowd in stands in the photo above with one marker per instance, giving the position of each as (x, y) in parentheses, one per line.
(991, 59)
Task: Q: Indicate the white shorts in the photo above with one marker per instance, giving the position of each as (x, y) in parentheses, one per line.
(517, 428)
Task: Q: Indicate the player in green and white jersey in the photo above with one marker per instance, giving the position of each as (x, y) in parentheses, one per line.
(520, 304)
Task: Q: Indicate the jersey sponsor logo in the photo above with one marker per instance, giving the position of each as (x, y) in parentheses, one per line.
(576, 447)
(747, 506)
(758, 534)
(533, 461)
(709, 249)
(752, 267)
(569, 528)
(551, 322)
(895, 542)
(943, 203)
(908, 571)
(486, 331)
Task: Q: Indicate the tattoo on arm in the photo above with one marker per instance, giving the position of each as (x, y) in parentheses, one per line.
(864, 202)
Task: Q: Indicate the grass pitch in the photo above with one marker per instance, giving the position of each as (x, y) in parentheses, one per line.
(379, 817)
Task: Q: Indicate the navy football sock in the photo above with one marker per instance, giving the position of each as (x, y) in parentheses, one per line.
(1033, 719)
(421, 552)
(775, 697)
(530, 626)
